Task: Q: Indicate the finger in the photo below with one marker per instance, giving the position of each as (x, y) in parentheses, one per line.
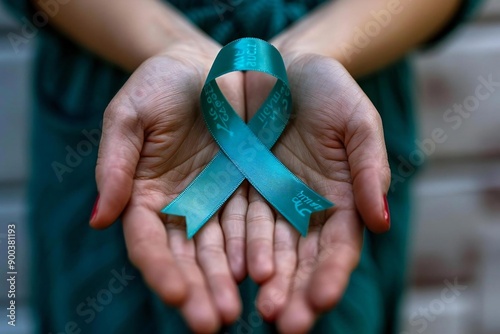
(232, 87)
(199, 310)
(233, 220)
(148, 250)
(274, 293)
(213, 261)
(370, 170)
(119, 152)
(298, 316)
(257, 88)
(339, 252)
(260, 230)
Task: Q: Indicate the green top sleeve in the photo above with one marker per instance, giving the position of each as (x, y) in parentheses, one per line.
(20, 8)
(465, 12)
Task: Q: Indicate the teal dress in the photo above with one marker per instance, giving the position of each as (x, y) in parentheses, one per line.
(82, 280)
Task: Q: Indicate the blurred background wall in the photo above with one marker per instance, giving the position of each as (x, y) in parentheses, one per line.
(455, 261)
(15, 80)
(457, 215)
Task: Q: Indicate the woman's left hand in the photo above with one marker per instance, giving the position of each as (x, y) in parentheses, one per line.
(335, 143)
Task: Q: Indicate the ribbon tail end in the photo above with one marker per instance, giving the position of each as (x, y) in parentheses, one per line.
(302, 226)
(193, 222)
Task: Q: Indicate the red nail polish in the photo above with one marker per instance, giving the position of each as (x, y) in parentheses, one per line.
(387, 214)
(94, 209)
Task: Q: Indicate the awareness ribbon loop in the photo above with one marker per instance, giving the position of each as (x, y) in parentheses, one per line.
(245, 148)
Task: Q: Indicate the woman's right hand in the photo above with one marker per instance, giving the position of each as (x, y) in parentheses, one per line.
(154, 143)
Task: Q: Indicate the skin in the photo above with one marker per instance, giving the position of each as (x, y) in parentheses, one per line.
(157, 158)
(331, 31)
(338, 149)
(335, 143)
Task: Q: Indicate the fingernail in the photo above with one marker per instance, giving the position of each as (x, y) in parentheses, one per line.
(387, 214)
(94, 209)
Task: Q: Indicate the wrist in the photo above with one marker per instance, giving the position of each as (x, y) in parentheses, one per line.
(171, 34)
(197, 51)
(293, 48)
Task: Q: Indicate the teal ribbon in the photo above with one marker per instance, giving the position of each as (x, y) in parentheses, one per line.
(245, 149)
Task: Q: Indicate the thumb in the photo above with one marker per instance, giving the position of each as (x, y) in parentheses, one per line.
(119, 152)
(370, 170)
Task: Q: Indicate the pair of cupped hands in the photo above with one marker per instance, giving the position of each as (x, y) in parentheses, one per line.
(155, 142)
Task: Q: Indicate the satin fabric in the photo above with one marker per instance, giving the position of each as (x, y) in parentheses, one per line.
(71, 263)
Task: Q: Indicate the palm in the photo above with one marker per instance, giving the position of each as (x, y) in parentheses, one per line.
(177, 145)
(155, 142)
(326, 144)
(168, 139)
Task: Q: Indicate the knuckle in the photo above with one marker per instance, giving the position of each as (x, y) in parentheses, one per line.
(260, 243)
(259, 219)
(235, 217)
